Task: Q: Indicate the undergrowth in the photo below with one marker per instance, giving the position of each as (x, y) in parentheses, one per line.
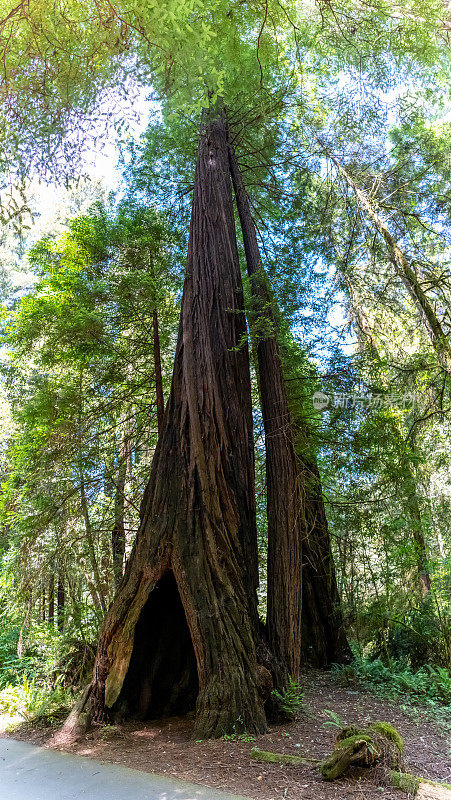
(290, 698)
(428, 686)
(42, 683)
(35, 701)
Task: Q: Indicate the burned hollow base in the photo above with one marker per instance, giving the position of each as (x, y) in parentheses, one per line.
(161, 680)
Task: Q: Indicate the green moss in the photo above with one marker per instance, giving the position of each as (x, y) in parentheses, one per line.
(334, 766)
(389, 732)
(349, 730)
(410, 784)
(280, 758)
(356, 739)
(406, 782)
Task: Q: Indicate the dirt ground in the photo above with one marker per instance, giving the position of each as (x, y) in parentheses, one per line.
(166, 747)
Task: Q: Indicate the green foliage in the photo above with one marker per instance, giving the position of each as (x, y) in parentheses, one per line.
(12, 668)
(73, 668)
(334, 719)
(238, 734)
(42, 684)
(80, 381)
(290, 698)
(419, 636)
(430, 686)
(33, 701)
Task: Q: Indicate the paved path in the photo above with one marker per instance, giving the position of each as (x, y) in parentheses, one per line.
(34, 773)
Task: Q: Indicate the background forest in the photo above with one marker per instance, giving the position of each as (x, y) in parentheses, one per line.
(342, 135)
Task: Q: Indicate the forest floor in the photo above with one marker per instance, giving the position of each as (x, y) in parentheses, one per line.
(166, 747)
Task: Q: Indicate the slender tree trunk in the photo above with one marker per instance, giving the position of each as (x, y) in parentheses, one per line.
(60, 600)
(419, 543)
(324, 640)
(158, 375)
(118, 532)
(91, 547)
(285, 497)
(303, 601)
(51, 614)
(20, 643)
(184, 621)
(419, 539)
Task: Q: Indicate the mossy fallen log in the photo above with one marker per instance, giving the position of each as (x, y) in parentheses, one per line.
(378, 743)
(420, 788)
(281, 758)
(354, 747)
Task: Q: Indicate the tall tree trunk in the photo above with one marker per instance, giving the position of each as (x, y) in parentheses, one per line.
(324, 640)
(158, 375)
(184, 621)
(418, 535)
(285, 497)
(421, 558)
(20, 643)
(118, 532)
(51, 614)
(60, 602)
(91, 547)
(303, 602)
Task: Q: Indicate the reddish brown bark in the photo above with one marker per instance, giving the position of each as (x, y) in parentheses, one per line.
(324, 640)
(196, 543)
(285, 506)
(304, 616)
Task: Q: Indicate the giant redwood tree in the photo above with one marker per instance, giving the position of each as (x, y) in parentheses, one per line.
(182, 630)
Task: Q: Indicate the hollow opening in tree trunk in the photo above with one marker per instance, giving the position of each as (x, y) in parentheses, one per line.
(162, 676)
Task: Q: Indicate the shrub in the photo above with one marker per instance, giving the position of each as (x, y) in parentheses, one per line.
(290, 698)
(427, 685)
(32, 701)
